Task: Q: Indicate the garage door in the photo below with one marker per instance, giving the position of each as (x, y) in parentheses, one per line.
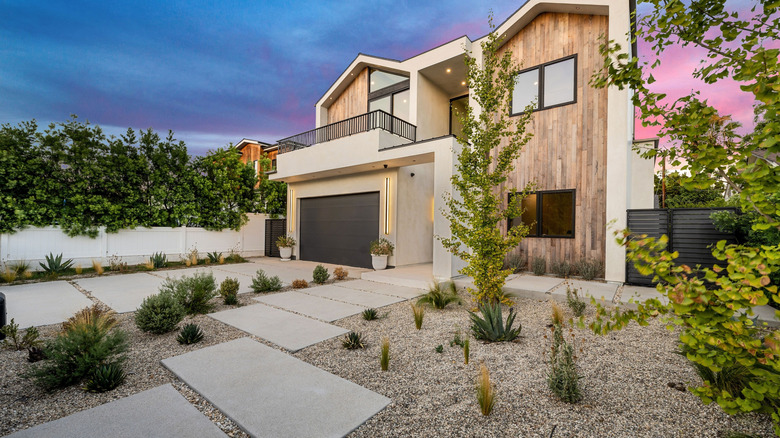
(339, 229)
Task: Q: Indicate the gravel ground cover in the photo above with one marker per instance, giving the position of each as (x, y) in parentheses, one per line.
(625, 380)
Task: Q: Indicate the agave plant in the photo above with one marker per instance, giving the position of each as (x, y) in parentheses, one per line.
(190, 334)
(159, 260)
(352, 341)
(105, 378)
(214, 256)
(440, 295)
(370, 314)
(490, 326)
(55, 265)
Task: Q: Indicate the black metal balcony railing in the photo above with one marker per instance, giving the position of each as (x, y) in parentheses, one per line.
(365, 122)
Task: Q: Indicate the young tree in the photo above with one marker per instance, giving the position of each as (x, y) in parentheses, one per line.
(224, 189)
(678, 196)
(490, 144)
(713, 306)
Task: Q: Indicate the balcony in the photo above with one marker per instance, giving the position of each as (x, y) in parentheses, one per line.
(363, 123)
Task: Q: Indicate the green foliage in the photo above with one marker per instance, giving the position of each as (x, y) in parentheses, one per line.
(320, 274)
(21, 267)
(190, 334)
(466, 351)
(713, 311)
(228, 290)
(263, 283)
(439, 348)
(370, 314)
(285, 241)
(78, 351)
(28, 341)
(159, 313)
(419, 313)
(457, 340)
(732, 378)
(352, 341)
(678, 196)
(538, 265)
(488, 148)
(589, 268)
(193, 293)
(576, 304)
(440, 295)
(55, 265)
(384, 355)
(159, 260)
(105, 378)
(272, 198)
(486, 394)
(381, 247)
(214, 257)
(563, 378)
(562, 268)
(490, 326)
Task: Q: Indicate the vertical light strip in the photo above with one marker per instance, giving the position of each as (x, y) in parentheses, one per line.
(387, 205)
(291, 219)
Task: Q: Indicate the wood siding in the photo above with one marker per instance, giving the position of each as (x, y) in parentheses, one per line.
(569, 147)
(352, 102)
(252, 152)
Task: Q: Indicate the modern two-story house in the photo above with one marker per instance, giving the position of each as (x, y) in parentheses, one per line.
(252, 152)
(380, 159)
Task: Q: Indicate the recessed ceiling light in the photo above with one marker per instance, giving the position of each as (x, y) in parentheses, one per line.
(463, 83)
(536, 83)
(449, 70)
(372, 82)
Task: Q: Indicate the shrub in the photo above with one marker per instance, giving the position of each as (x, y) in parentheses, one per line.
(193, 293)
(235, 258)
(340, 273)
(418, 312)
(105, 378)
(22, 268)
(490, 327)
(97, 267)
(79, 269)
(300, 284)
(589, 268)
(28, 341)
(440, 296)
(78, 351)
(98, 315)
(159, 260)
(563, 378)
(576, 304)
(514, 261)
(486, 395)
(562, 268)
(229, 291)
(384, 355)
(381, 247)
(35, 354)
(352, 341)
(190, 334)
(557, 314)
(55, 265)
(466, 351)
(538, 265)
(263, 283)
(214, 257)
(732, 378)
(439, 348)
(8, 275)
(320, 274)
(285, 241)
(159, 313)
(370, 314)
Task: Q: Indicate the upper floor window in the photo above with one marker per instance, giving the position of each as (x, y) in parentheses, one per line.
(389, 92)
(547, 85)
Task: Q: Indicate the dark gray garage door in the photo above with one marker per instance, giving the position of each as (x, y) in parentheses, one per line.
(339, 229)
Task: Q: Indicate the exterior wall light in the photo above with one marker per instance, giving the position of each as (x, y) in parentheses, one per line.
(387, 205)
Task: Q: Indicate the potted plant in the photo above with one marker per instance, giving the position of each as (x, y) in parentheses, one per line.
(285, 244)
(380, 250)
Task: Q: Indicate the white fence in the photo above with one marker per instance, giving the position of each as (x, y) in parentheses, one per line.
(132, 246)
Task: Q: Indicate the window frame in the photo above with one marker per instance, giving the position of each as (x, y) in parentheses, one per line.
(540, 86)
(537, 227)
(390, 90)
(465, 96)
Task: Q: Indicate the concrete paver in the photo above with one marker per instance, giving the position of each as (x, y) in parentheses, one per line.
(587, 289)
(270, 393)
(404, 292)
(37, 304)
(357, 297)
(532, 283)
(125, 292)
(310, 305)
(158, 412)
(282, 328)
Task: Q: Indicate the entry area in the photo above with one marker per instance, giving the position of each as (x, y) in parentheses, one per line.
(339, 229)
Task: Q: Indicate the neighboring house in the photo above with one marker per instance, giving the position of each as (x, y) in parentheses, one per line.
(252, 152)
(381, 157)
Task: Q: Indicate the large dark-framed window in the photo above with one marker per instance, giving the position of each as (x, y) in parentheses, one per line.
(548, 85)
(388, 92)
(548, 213)
(458, 105)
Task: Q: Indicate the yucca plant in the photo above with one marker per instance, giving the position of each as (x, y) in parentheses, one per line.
(490, 326)
(159, 260)
(105, 378)
(486, 395)
(352, 341)
(440, 295)
(21, 267)
(55, 265)
(97, 267)
(384, 355)
(214, 257)
(419, 313)
(190, 334)
(370, 314)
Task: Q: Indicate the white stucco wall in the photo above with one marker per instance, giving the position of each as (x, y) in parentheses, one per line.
(415, 215)
(433, 110)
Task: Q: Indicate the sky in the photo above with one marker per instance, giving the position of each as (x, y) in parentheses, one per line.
(215, 72)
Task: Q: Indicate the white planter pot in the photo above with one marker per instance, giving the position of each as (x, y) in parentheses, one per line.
(285, 252)
(379, 262)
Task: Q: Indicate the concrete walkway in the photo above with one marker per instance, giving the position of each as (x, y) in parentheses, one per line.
(37, 304)
(269, 393)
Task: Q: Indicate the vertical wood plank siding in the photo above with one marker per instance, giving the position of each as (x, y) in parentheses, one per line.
(569, 147)
(352, 102)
